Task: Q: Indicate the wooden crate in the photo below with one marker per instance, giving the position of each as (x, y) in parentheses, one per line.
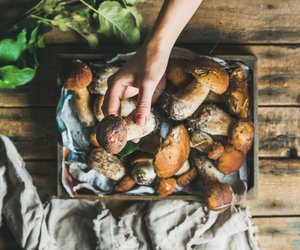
(252, 156)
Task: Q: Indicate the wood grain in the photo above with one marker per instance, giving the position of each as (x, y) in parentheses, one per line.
(272, 21)
(278, 233)
(278, 76)
(278, 188)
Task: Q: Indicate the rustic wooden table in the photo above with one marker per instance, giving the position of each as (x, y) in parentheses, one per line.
(268, 29)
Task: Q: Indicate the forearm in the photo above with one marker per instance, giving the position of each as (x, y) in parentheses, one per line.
(172, 19)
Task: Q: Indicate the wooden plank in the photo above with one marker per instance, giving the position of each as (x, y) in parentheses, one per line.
(279, 132)
(32, 130)
(278, 188)
(278, 233)
(278, 76)
(272, 21)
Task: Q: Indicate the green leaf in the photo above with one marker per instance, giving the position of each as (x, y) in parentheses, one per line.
(10, 50)
(11, 76)
(137, 15)
(132, 2)
(128, 149)
(116, 20)
(80, 24)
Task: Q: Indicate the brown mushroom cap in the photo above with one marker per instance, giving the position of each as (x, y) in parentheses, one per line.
(76, 76)
(231, 160)
(242, 135)
(220, 196)
(207, 71)
(173, 152)
(112, 133)
(166, 187)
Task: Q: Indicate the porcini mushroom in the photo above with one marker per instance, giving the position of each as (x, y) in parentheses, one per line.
(231, 160)
(143, 170)
(201, 141)
(216, 151)
(126, 183)
(187, 177)
(212, 120)
(209, 76)
(173, 152)
(76, 77)
(238, 94)
(106, 164)
(165, 187)
(113, 131)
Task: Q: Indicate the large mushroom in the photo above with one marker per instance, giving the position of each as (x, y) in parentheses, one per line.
(113, 131)
(209, 75)
(173, 152)
(77, 76)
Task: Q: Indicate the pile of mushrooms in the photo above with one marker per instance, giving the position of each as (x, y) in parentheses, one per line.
(205, 142)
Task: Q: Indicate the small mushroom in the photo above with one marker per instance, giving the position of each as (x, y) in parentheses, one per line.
(77, 76)
(125, 184)
(187, 177)
(212, 120)
(113, 131)
(143, 170)
(165, 187)
(216, 151)
(173, 152)
(219, 196)
(101, 75)
(209, 76)
(106, 164)
(238, 94)
(242, 135)
(93, 139)
(231, 160)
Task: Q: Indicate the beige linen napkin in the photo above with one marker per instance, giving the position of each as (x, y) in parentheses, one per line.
(82, 224)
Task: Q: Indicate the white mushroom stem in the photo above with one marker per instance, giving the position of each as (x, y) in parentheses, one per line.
(82, 107)
(127, 106)
(135, 131)
(185, 167)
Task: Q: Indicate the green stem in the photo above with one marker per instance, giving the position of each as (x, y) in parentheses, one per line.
(41, 18)
(90, 7)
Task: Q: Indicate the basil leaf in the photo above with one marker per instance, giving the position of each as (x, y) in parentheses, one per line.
(10, 50)
(116, 20)
(11, 76)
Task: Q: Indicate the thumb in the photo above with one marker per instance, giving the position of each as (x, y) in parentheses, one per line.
(143, 108)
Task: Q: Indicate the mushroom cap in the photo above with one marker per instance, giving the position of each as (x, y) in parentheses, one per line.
(242, 135)
(216, 151)
(143, 170)
(207, 71)
(231, 160)
(76, 75)
(125, 184)
(220, 196)
(112, 133)
(173, 152)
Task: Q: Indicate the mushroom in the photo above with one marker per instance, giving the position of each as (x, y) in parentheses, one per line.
(76, 77)
(176, 75)
(187, 177)
(218, 195)
(212, 120)
(143, 170)
(173, 152)
(166, 187)
(106, 164)
(238, 94)
(150, 143)
(231, 160)
(101, 75)
(113, 131)
(125, 184)
(201, 141)
(216, 151)
(209, 76)
(93, 139)
(127, 106)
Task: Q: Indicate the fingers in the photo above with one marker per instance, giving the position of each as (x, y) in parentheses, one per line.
(113, 97)
(144, 104)
(159, 88)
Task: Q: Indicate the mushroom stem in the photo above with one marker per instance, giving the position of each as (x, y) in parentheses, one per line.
(82, 106)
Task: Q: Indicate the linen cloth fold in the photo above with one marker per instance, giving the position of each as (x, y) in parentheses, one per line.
(84, 224)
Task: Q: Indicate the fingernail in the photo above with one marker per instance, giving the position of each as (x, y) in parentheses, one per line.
(140, 119)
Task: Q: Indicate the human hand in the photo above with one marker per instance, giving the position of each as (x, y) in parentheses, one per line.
(144, 75)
